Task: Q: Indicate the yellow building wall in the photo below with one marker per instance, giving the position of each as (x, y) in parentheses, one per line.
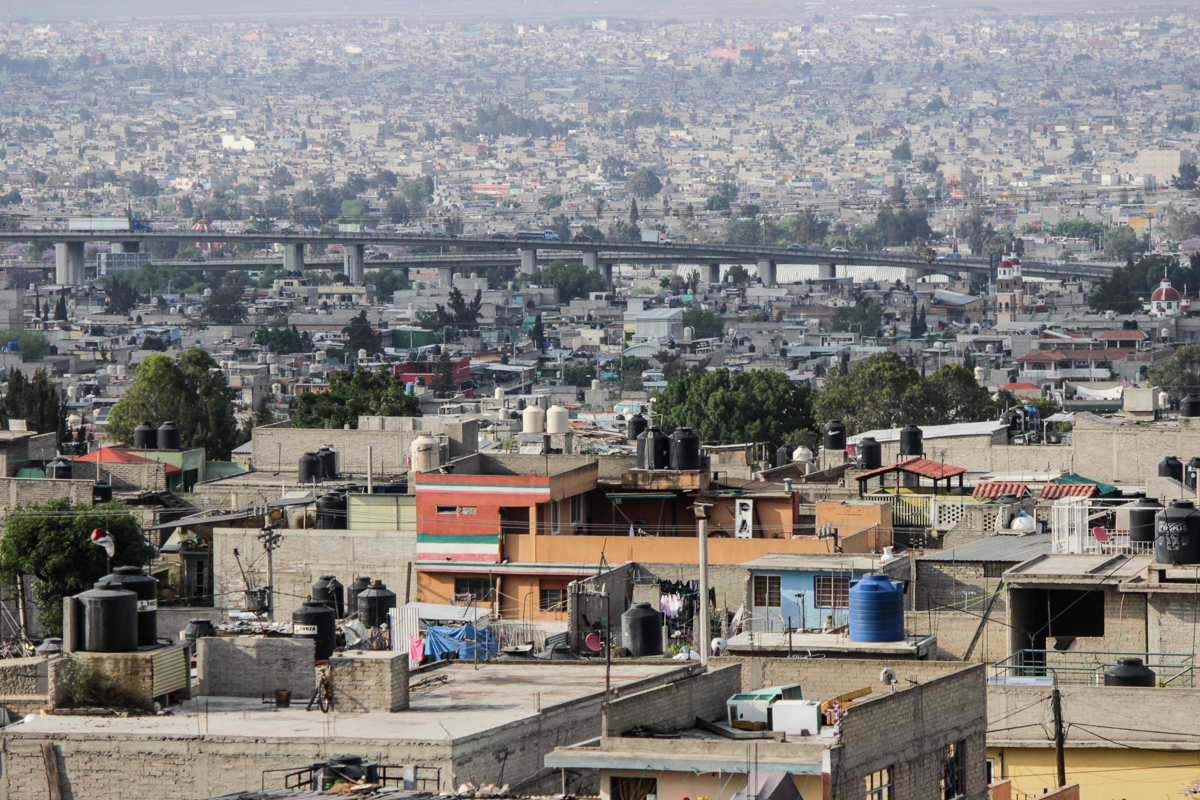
(704, 786)
(1103, 773)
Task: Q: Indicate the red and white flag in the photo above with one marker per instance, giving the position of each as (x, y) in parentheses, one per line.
(101, 537)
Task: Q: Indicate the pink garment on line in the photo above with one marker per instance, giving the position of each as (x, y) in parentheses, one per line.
(416, 649)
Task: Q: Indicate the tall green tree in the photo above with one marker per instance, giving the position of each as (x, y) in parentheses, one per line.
(361, 336)
(644, 184)
(1179, 376)
(60, 308)
(443, 373)
(707, 325)
(538, 334)
(38, 402)
(120, 296)
(878, 392)
(350, 396)
(52, 542)
(749, 406)
(193, 393)
(572, 279)
(224, 305)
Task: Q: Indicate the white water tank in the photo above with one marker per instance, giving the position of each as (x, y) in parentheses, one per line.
(322, 356)
(558, 419)
(499, 393)
(208, 292)
(121, 370)
(262, 358)
(980, 374)
(72, 393)
(273, 369)
(1164, 399)
(112, 370)
(532, 419)
(425, 455)
(595, 384)
(362, 355)
(689, 333)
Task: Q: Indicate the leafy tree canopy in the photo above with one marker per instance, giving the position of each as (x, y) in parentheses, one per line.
(572, 279)
(706, 324)
(750, 406)
(360, 335)
(285, 339)
(1179, 376)
(350, 396)
(864, 317)
(457, 313)
(1120, 291)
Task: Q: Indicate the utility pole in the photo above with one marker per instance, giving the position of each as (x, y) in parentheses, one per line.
(702, 626)
(1056, 704)
(271, 540)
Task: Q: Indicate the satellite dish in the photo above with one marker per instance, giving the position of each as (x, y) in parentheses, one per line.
(888, 676)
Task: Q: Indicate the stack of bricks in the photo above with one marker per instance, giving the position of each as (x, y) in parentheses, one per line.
(369, 681)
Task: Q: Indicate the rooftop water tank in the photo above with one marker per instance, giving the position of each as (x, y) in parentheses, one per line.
(558, 419)
(636, 426)
(1141, 520)
(59, 469)
(374, 603)
(309, 468)
(1190, 406)
(912, 441)
(425, 454)
(533, 419)
(329, 590)
(1177, 534)
(1171, 467)
(596, 384)
(329, 462)
(499, 393)
(871, 452)
(684, 452)
(169, 437)
(876, 610)
(314, 620)
(199, 628)
(658, 452)
(641, 630)
(331, 511)
(110, 622)
(145, 437)
(49, 647)
(357, 586)
(783, 455)
(1130, 672)
(645, 442)
(835, 435)
(145, 587)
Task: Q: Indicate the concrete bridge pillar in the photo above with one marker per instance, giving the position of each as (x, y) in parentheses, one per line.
(352, 262)
(68, 263)
(293, 257)
(590, 260)
(826, 272)
(714, 273)
(915, 275)
(766, 272)
(445, 277)
(528, 260)
(607, 269)
(126, 247)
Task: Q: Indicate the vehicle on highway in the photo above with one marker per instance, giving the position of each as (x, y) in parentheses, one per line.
(838, 250)
(796, 247)
(546, 234)
(497, 235)
(581, 237)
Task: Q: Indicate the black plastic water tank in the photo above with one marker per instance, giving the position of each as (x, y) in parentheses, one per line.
(1190, 472)
(1190, 406)
(145, 587)
(871, 452)
(658, 454)
(641, 630)
(835, 435)
(912, 441)
(309, 469)
(636, 426)
(1177, 534)
(644, 444)
(110, 622)
(199, 628)
(145, 437)
(328, 458)
(331, 511)
(374, 603)
(356, 586)
(314, 620)
(60, 469)
(169, 437)
(685, 449)
(101, 493)
(1141, 520)
(51, 646)
(329, 590)
(751, 348)
(1130, 672)
(1171, 467)
(783, 456)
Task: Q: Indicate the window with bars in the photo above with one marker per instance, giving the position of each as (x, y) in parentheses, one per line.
(767, 591)
(878, 785)
(552, 595)
(479, 590)
(954, 770)
(832, 591)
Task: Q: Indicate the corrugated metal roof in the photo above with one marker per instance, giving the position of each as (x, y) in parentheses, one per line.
(997, 547)
(994, 489)
(933, 431)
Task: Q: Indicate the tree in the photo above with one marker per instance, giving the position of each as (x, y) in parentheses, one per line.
(386, 282)
(37, 402)
(572, 279)
(878, 392)
(580, 376)
(192, 392)
(538, 334)
(750, 406)
(1187, 178)
(644, 184)
(360, 335)
(613, 168)
(281, 178)
(902, 151)
(1120, 243)
(154, 343)
(864, 317)
(120, 296)
(737, 275)
(363, 393)
(955, 396)
(1179, 376)
(224, 305)
(917, 326)
(443, 373)
(457, 313)
(284, 339)
(262, 412)
(634, 215)
(60, 308)
(706, 324)
(52, 542)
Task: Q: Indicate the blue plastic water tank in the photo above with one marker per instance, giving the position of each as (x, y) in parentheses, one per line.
(14, 347)
(876, 610)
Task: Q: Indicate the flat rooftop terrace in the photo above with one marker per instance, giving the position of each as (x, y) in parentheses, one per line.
(470, 701)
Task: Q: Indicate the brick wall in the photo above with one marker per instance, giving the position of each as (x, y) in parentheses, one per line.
(1171, 621)
(677, 704)
(822, 679)
(1146, 716)
(951, 584)
(253, 666)
(369, 681)
(24, 491)
(908, 732)
(123, 477)
(955, 628)
(1125, 620)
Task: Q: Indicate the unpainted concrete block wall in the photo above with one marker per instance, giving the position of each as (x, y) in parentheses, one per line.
(678, 704)
(822, 679)
(252, 666)
(367, 682)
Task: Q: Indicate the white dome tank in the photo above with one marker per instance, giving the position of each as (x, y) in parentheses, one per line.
(980, 374)
(499, 393)
(262, 358)
(558, 419)
(1164, 399)
(120, 370)
(595, 384)
(72, 393)
(273, 369)
(532, 419)
(424, 454)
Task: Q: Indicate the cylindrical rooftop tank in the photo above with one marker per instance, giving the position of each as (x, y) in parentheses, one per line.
(199, 628)
(533, 419)
(783, 455)
(871, 452)
(101, 493)
(645, 442)
(357, 586)
(1190, 406)
(876, 610)
(331, 511)
(1177, 534)
(110, 622)
(1171, 467)
(329, 590)
(641, 630)
(49, 647)
(912, 441)
(309, 469)
(314, 620)
(374, 603)
(1141, 520)
(658, 451)
(145, 437)
(169, 437)
(685, 450)
(60, 469)
(425, 454)
(145, 587)
(328, 462)
(636, 426)
(558, 419)
(1130, 672)
(596, 384)
(835, 435)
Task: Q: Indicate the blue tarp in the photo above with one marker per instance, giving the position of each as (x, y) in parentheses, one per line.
(441, 641)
